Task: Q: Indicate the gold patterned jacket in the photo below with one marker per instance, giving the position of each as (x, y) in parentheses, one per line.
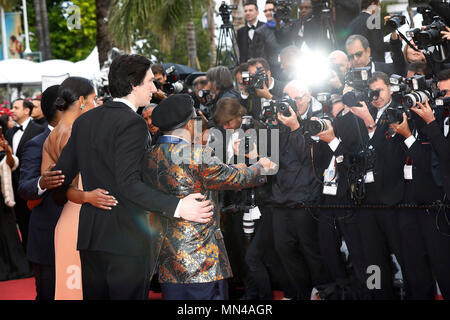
(192, 252)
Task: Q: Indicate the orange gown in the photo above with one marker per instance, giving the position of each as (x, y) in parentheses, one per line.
(68, 285)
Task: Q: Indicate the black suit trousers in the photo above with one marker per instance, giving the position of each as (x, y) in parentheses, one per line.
(297, 243)
(380, 237)
(425, 236)
(108, 276)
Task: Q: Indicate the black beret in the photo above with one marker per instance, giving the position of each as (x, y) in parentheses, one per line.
(173, 112)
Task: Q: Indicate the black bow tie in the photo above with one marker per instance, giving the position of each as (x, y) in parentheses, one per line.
(17, 128)
(251, 27)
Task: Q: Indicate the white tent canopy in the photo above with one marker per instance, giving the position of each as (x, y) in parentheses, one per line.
(20, 71)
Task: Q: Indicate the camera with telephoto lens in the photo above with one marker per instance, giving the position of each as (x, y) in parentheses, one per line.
(358, 79)
(443, 102)
(429, 35)
(271, 108)
(395, 22)
(314, 127)
(406, 93)
(249, 138)
(283, 10)
(225, 12)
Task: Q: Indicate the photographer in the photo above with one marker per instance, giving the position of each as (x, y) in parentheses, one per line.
(288, 59)
(295, 185)
(160, 77)
(379, 228)
(359, 54)
(221, 86)
(425, 237)
(437, 130)
(306, 29)
(347, 138)
(340, 64)
(261, 87)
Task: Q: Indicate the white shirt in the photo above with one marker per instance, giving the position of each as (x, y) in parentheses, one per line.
(18, 135)
(379, 113)
(251, 32)
(128, 103)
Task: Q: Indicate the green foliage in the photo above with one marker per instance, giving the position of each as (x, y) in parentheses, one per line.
(73, 45)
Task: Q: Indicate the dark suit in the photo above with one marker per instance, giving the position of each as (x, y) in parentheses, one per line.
(398, 65)
(114, 246)
(244, 42)
(40, 247)
(380, 231)
(21, 210)
(375, 35)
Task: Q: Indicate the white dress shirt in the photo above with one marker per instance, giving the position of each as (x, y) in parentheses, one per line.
(41, 191)
(251, 32)
(18, 135)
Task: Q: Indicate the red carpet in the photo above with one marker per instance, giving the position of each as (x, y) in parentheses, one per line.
(24, 289)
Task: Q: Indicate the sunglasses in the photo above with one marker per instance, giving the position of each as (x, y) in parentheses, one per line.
(357, 55)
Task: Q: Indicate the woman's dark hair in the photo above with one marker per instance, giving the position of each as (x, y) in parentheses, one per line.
(71, 90)
(48, 102)
(226, 110)
(126, 71)
(4, 122)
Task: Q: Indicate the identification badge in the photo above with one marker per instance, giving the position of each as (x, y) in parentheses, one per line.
(339, 159)
(329, 175)
(255, 214)
(330, 189)
(407, 172)
(369, 178)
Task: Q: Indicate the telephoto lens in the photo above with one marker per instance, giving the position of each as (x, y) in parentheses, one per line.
(411, 99)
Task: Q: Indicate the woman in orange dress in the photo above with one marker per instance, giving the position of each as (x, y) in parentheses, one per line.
(75, 96)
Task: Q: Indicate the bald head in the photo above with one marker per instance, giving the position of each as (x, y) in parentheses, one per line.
(340, 59)
(297, 90)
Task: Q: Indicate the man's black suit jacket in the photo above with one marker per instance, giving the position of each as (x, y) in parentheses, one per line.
(107, 147)
(31, 131)
(243, 42)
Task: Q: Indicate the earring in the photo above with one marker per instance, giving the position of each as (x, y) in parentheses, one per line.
(82, 106)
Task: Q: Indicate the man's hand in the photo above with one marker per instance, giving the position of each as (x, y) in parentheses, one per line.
(364, 114)
(291, 121)
(402, 128)
(194, 210)
(267, 164)
(51, 179)
(253, 153)
(160, 94)
(264, 92)
(327, 135)
(334, 81)
(446, 34)
(424, 111)
(99, 198)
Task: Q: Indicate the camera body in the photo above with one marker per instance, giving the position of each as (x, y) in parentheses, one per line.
(225, 12)
(271, 108)
(395, 22)
(283, 10)
(173, 83)
(255, 81)
(359, 165)
(430, 35)
(358, 79)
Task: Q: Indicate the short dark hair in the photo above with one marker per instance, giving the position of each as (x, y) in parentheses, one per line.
(220, 77)
(262, 61)
(444, 75)
(158, 68)
(71, 90)
(417, 66)
(248, 3)
(226, 110)
(378, 75)
(48, 102)
(240, 68)
(26, 104)
(366, 3)
(126, 71)
(4, 122)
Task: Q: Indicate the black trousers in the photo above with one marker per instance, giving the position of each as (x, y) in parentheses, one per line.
(217, 290)
(425, 236)
(45, 281)
(297, 243)
(380, 237)
(23, 218)
(335, 225)
(108, 276)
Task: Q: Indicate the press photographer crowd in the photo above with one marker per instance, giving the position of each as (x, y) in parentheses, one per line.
(315, 160)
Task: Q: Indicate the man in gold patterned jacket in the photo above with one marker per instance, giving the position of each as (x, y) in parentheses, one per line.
(193, 263)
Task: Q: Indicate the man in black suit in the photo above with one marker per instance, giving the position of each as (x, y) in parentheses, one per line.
(17, 136)
(366, 27)
(359, 55)
(380, 231)
(115, 246)
(244, 35)
(33, 186)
